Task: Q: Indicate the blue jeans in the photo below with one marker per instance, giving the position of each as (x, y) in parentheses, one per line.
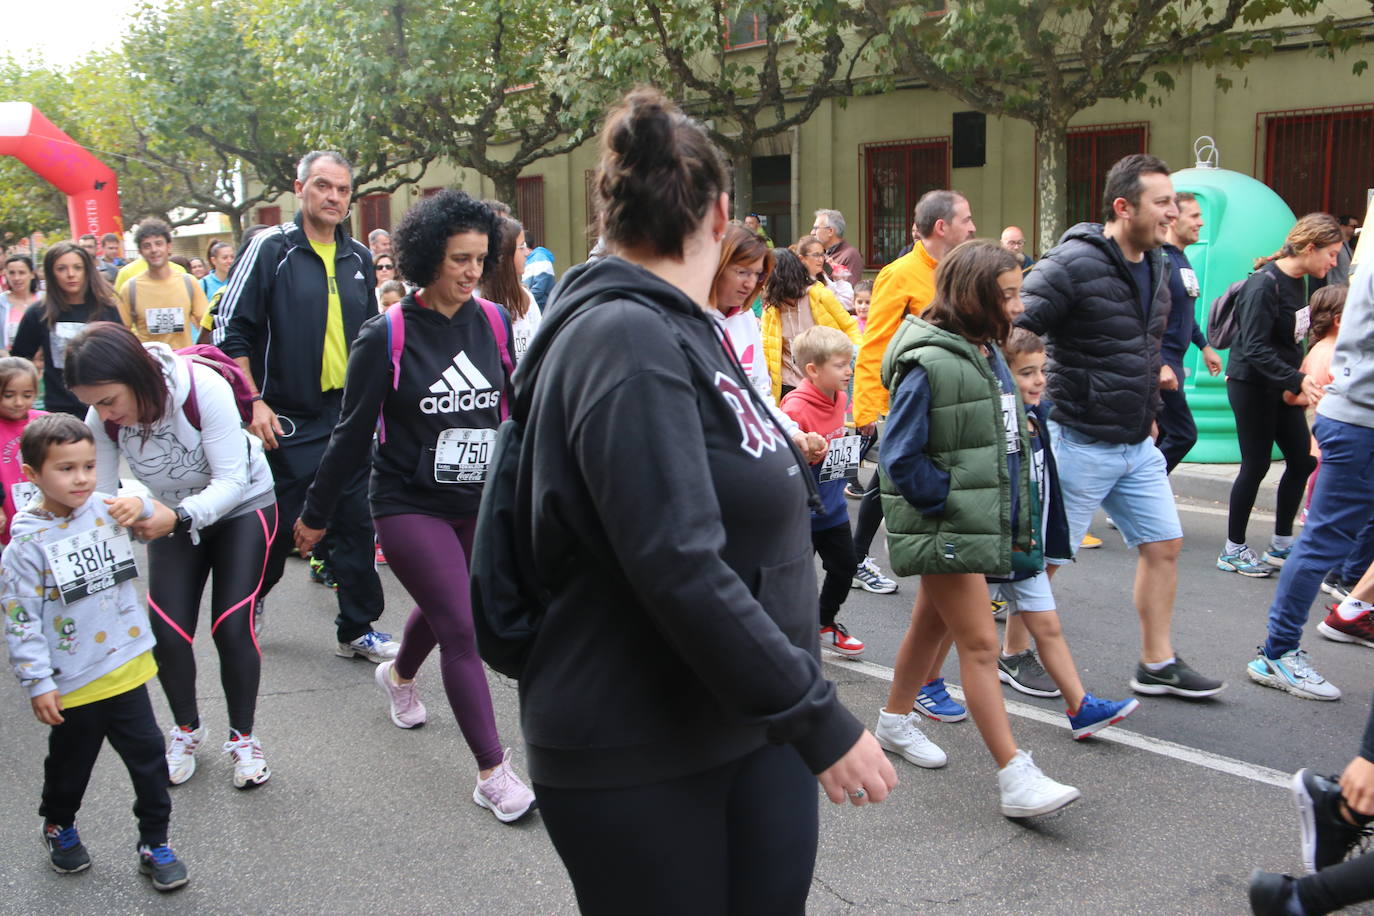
(1360, 556)
(1342, 505)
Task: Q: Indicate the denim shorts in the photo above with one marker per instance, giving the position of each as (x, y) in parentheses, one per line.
(1131, 482)
(1026, 596)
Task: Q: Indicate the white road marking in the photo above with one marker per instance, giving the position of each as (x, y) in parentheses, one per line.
(1221, 764)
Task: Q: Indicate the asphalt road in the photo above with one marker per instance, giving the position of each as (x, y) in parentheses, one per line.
(362, 817)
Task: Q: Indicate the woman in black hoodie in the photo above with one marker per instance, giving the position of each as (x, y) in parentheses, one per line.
(673, 703)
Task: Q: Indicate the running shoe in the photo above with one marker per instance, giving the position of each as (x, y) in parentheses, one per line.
(1175, 678)
(1245, 562)
(378, 558)
(1327, 837)
(999, 608)
(406, 710)
(162, 865)
(1090, 542)
(836, 638)
(902, 736)
(1359, 631)
(503, 794)
(1275, 557)
(1110, 523)
(372, 645)
(1292, 672)
(66, 853)
(1272, 894)
(250, 767)
(1027, 792)
(871, 579)
(852, 492)
(1024, 672)
(320, 574)
(934, 702)
(1336, 587)
(1095, 714)
(181, 753)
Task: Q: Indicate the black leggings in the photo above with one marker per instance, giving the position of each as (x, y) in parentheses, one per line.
(740, 838)
(1339, 886)
(235, 550)
(1263, 421)
(836, 549)
(870, 517)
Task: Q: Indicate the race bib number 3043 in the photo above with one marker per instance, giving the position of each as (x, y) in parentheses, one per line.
(462, 455)
(842, 459)
(91, 562)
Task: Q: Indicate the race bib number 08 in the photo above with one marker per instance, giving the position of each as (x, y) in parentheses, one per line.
(91, 562)
(462, 455)
(842, 459)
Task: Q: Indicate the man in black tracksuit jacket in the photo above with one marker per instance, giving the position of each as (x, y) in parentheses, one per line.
(1101, 299)
(280, 318)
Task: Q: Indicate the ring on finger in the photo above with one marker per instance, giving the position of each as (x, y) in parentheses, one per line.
(857, 794)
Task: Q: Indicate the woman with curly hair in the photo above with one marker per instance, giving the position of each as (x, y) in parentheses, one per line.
(435, 373)
(792, 302)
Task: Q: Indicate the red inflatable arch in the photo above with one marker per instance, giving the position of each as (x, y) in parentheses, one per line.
(90, 186)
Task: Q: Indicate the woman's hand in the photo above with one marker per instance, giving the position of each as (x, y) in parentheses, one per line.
(1311, 390)
(162, 523)
(812, 445)
(306, 537)
(862, 775)
(47, 707)
(1357, 786)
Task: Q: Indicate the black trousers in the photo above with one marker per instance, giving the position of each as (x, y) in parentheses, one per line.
(127, 721)
(1263, 421)
(1177, 430)
(869, 518)
(836, 549)
(737, 839)
(1342, 885)
(351, 538)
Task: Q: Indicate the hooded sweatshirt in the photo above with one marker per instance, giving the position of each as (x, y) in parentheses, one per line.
(669, 525)
(1350, 396)
(816, 412)
(741, 327)
(12, 467)
(215, 472)
(59, 646)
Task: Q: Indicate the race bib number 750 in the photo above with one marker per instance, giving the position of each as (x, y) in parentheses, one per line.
(462, 455)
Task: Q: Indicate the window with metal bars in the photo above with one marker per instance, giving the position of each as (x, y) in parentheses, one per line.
(896, 174)
(746, 29)
(374, 211)
(1317, 159)
(1092, 151)
(529, 204)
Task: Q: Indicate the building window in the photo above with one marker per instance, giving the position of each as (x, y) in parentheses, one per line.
(895, 175)
(375, 213)
(529, 204)
(1092, 151)
(745, 30)
(1317, 160)
(269, 216)
(430, 192)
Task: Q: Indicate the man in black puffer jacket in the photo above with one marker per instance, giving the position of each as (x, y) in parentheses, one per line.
(1101, 298)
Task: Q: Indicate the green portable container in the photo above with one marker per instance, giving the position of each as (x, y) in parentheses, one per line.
(1243, 219)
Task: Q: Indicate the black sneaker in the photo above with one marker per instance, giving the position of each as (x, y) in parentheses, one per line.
(1327, 837)
(65, 851)
(1270, 893)
(1336, 588)
(162, 865)
(1024, 672)
(1177, 679)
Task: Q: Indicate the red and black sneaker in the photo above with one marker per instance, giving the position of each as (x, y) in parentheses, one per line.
(837, 639)
(1359, 631)
(378, 558)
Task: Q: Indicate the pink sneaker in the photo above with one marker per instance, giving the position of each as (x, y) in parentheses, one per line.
(406, 709)
(503, 794)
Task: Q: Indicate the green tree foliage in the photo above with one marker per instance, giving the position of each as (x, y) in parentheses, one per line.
(1043, 61)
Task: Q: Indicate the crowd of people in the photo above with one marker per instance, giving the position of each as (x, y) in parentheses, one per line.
(352, 403)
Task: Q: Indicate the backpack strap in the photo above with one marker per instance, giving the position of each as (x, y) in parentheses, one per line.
(395, 345)
(190, 293)
(191, 406)
(497, 319)
(131, 296)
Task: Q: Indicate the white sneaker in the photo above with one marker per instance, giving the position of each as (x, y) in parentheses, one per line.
(250, 767)
(900, 735)
(1027, 792)
(372, 645)
(181, 753)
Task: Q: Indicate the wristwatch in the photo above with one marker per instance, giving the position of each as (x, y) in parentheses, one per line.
(183, 521)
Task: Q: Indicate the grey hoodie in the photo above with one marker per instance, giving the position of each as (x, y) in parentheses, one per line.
(1350, 396)
(56, 646)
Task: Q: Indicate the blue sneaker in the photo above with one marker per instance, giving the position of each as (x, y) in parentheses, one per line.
(161, 864)
(934, 702)
(1095, 714)
(1275, 557)
(66, 852)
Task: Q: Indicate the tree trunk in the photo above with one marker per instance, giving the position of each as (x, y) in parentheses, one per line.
(505, 190)
(1052, 140)
(742, 157)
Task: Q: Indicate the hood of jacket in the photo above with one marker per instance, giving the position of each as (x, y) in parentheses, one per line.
(34, 518)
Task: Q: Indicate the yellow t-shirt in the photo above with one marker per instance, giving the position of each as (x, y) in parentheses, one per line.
(133, 673)
(139, 266)
(335, 362)
(167, 310)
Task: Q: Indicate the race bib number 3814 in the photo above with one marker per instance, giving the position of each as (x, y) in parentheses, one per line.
(91, 562)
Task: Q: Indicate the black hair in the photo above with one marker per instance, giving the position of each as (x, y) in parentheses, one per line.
(659, 174)
(1123, 180)
(106, 353)
(421, 238)
(788, 282)
(46, 431)
(152, 228)
(28, 262)
(97, 292)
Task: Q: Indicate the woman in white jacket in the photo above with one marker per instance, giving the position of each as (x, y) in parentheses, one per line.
(175, 420)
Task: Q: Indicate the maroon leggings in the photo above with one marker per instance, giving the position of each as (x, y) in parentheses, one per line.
(430, 557)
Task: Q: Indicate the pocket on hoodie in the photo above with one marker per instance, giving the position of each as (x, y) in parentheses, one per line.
(788, 594)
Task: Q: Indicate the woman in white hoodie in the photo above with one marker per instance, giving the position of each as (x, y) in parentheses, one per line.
(175, 420)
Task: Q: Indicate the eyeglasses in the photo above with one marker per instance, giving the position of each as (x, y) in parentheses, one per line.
(1018, 243)
(386, 266)
(815, 254)
(523, 246)
(742, 274)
